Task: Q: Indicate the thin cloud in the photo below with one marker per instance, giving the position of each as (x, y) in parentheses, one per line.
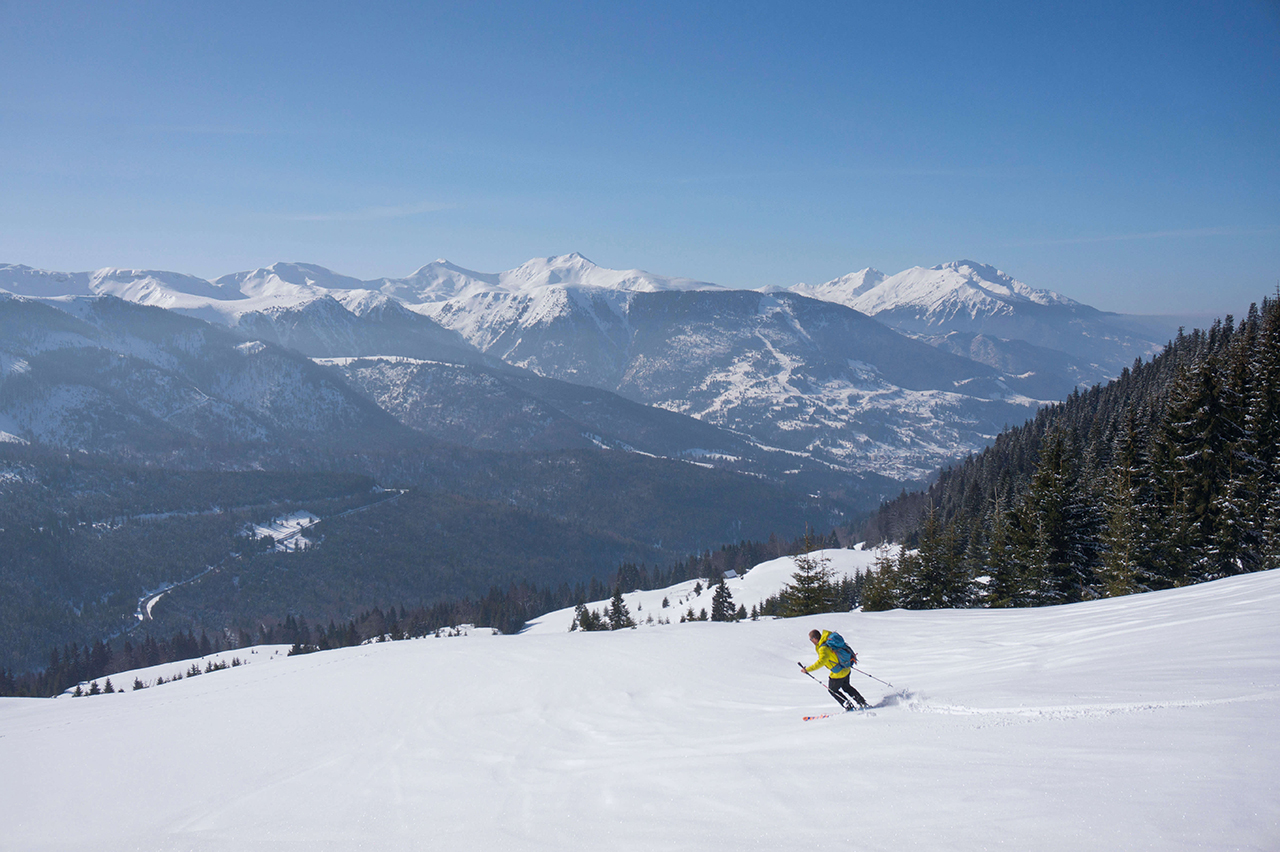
(367, 214)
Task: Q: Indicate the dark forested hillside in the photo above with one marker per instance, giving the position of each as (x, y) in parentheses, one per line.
(1168, 475)
(505, 608)
(84, 539)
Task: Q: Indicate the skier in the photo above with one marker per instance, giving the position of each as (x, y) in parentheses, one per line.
(838, 682)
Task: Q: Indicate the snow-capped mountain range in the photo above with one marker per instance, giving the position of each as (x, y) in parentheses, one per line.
(801, 369)
(99, 373)
(951, 304)
(941, 294)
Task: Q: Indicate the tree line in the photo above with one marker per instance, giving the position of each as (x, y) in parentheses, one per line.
(505, 608)
(1167, 476)
(813, 589)
(73, 663)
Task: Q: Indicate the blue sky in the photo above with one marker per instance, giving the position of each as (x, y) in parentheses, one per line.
(1124, 154)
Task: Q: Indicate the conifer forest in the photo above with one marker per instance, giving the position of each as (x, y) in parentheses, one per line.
(1167, 476)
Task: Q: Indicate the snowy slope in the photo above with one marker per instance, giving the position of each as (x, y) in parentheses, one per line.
(27, 281)
(287, 285)
(750, 590)
(972, 298)
(1148, 722)
(443, 280)
(941, 293)
(740, 360)
(289, 281)
(845, 290)
(98, 373)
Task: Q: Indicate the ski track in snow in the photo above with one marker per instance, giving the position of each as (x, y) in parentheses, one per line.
(920, 704)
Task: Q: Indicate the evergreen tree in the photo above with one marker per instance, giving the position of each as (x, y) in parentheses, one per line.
(587, 620)
(1005, 577)
(1202, 435)
(881, 590)
(1168, 475)
(938, 576)
(1062, 556)
(1262, 438)
(722, 608)
(811, 590)
(1121, 538)
(619, 616)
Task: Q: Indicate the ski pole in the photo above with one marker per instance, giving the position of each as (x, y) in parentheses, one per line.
(834, 694)
(873, 677)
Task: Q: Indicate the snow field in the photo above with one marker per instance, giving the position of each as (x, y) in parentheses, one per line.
(749, 590)
(1148, 722)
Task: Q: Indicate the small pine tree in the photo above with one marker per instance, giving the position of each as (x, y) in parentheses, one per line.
(722, 603)
(588, 620)
(881, 590)
(811, 590)
(1119, 535)
(1005, 575)
(619, 616)
(941, 577)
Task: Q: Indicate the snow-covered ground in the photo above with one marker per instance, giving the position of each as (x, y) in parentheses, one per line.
(287, 530)
(1147, 722)
(749, 590)
(164, 673)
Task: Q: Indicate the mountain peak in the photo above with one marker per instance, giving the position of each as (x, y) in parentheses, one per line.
(573, 260)
(957, 287)
(986, 271)
(843, 290)
(289, 280)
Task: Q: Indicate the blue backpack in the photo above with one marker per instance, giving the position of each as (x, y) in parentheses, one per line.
(843, 652)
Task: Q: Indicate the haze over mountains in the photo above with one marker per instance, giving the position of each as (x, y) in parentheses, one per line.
(866, 374)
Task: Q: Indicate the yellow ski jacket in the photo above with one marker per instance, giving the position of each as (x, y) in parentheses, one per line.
(828, 658)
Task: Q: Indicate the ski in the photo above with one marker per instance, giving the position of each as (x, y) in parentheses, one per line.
(861, 710)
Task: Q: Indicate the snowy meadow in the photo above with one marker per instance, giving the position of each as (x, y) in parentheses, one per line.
(1145, 722)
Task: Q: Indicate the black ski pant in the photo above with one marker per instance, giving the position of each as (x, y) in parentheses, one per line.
(839, 685)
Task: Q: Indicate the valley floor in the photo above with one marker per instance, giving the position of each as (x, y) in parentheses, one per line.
(1148, 722)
